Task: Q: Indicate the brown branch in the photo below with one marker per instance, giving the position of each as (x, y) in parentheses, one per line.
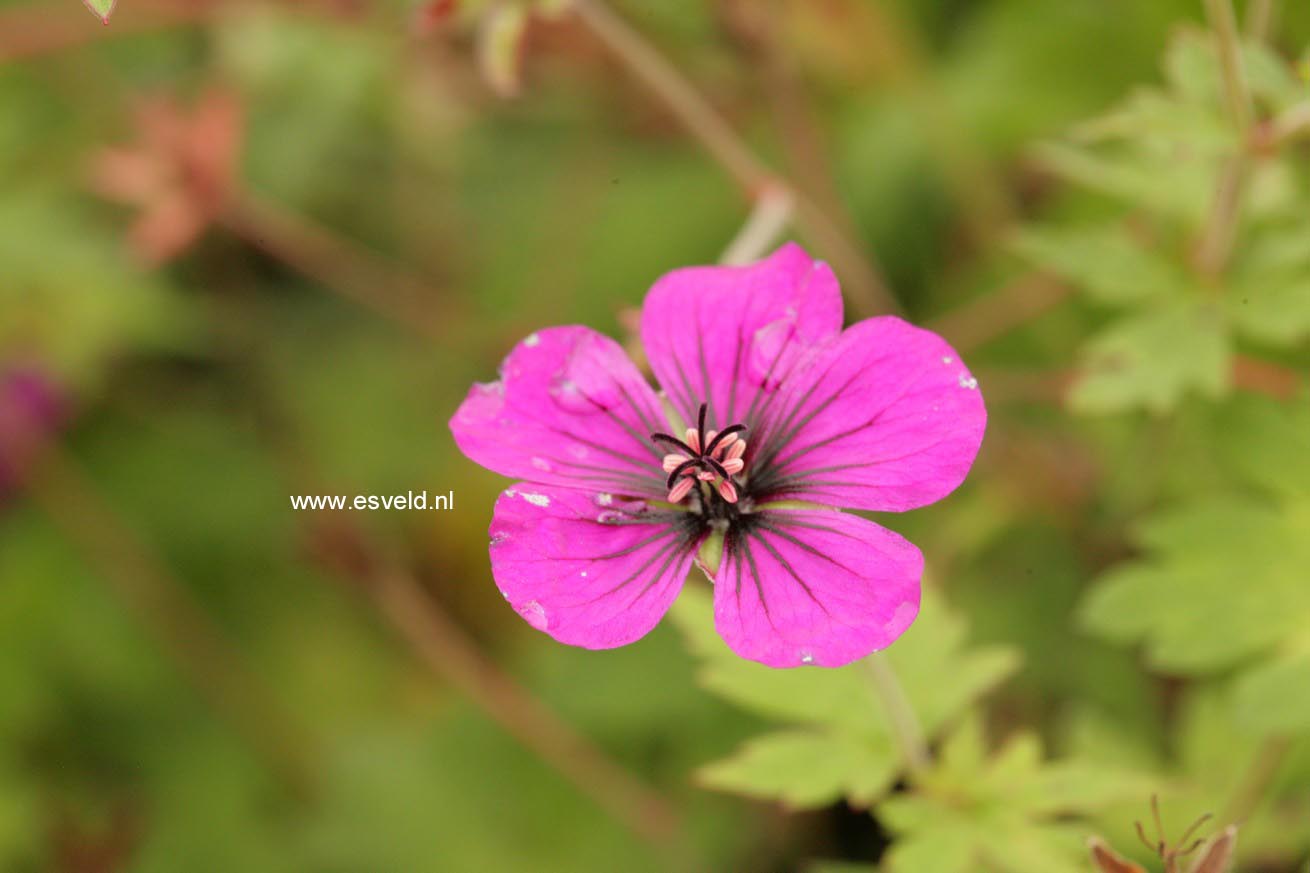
(992, 315)
(864, 283)
(448, 651)
(339, 264)
(452, 655)
(144, 584)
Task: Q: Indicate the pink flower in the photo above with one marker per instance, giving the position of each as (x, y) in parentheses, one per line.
(32, 408)
(771, 415)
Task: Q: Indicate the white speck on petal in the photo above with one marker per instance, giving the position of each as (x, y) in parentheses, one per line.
(948, 360)
(541, 464)
(537, 499)
(807, 657)
(534, 614)
(532, 340)
(605, 499)
(967, 381)
(583, 574)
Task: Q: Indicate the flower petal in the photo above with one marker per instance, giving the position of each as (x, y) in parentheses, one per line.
(721, 335)
(570, 409)
(885, 417)
(814, 587)
(587, 568)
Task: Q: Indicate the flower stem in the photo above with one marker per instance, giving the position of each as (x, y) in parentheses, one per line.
(1221, 229)
(1257, 780)
(1259, 19)
(1224, 23)
(865, 285)
(767, 221)
(904, 722)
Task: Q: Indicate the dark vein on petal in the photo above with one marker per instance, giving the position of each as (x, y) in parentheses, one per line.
(791, 571)
(804, 546)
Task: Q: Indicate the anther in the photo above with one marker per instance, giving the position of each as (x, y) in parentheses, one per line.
(712, 456)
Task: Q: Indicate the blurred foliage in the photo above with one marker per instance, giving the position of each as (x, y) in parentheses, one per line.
(1118, 598)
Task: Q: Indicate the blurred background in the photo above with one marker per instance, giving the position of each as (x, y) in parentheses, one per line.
(255, 249)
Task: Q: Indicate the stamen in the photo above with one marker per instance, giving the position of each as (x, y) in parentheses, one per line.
(679, 491)
(704, 456)
(721, 437)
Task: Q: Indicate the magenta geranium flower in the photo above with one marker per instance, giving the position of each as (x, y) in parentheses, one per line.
(771, 417)
(31, 410)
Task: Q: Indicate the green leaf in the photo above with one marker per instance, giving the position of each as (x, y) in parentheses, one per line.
(1193, 70)
(1223, 580)
(1105, 261)
(1008, 812)
(1153, 359)
(1267, 443)
(1274, 698)
(1269, 298)
(1222, 584)
(836, 712)
(942, 677)
(101, 9)
(1155, 117)
(946, 849)
(807, 769)
(1179, 188)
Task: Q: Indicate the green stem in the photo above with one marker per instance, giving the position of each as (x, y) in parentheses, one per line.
(900, 713)
(1221, 229)
(1257, 780)
(1260, 19)
(1238, 97)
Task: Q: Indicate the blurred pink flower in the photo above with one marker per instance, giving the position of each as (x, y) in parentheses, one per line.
(786, 416)
(178, 174)
(31, 409)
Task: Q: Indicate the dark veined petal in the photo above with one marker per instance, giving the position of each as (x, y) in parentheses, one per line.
(885, 417)
(723, 335)
(570, 409)
(800, 587)
(588, 568)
